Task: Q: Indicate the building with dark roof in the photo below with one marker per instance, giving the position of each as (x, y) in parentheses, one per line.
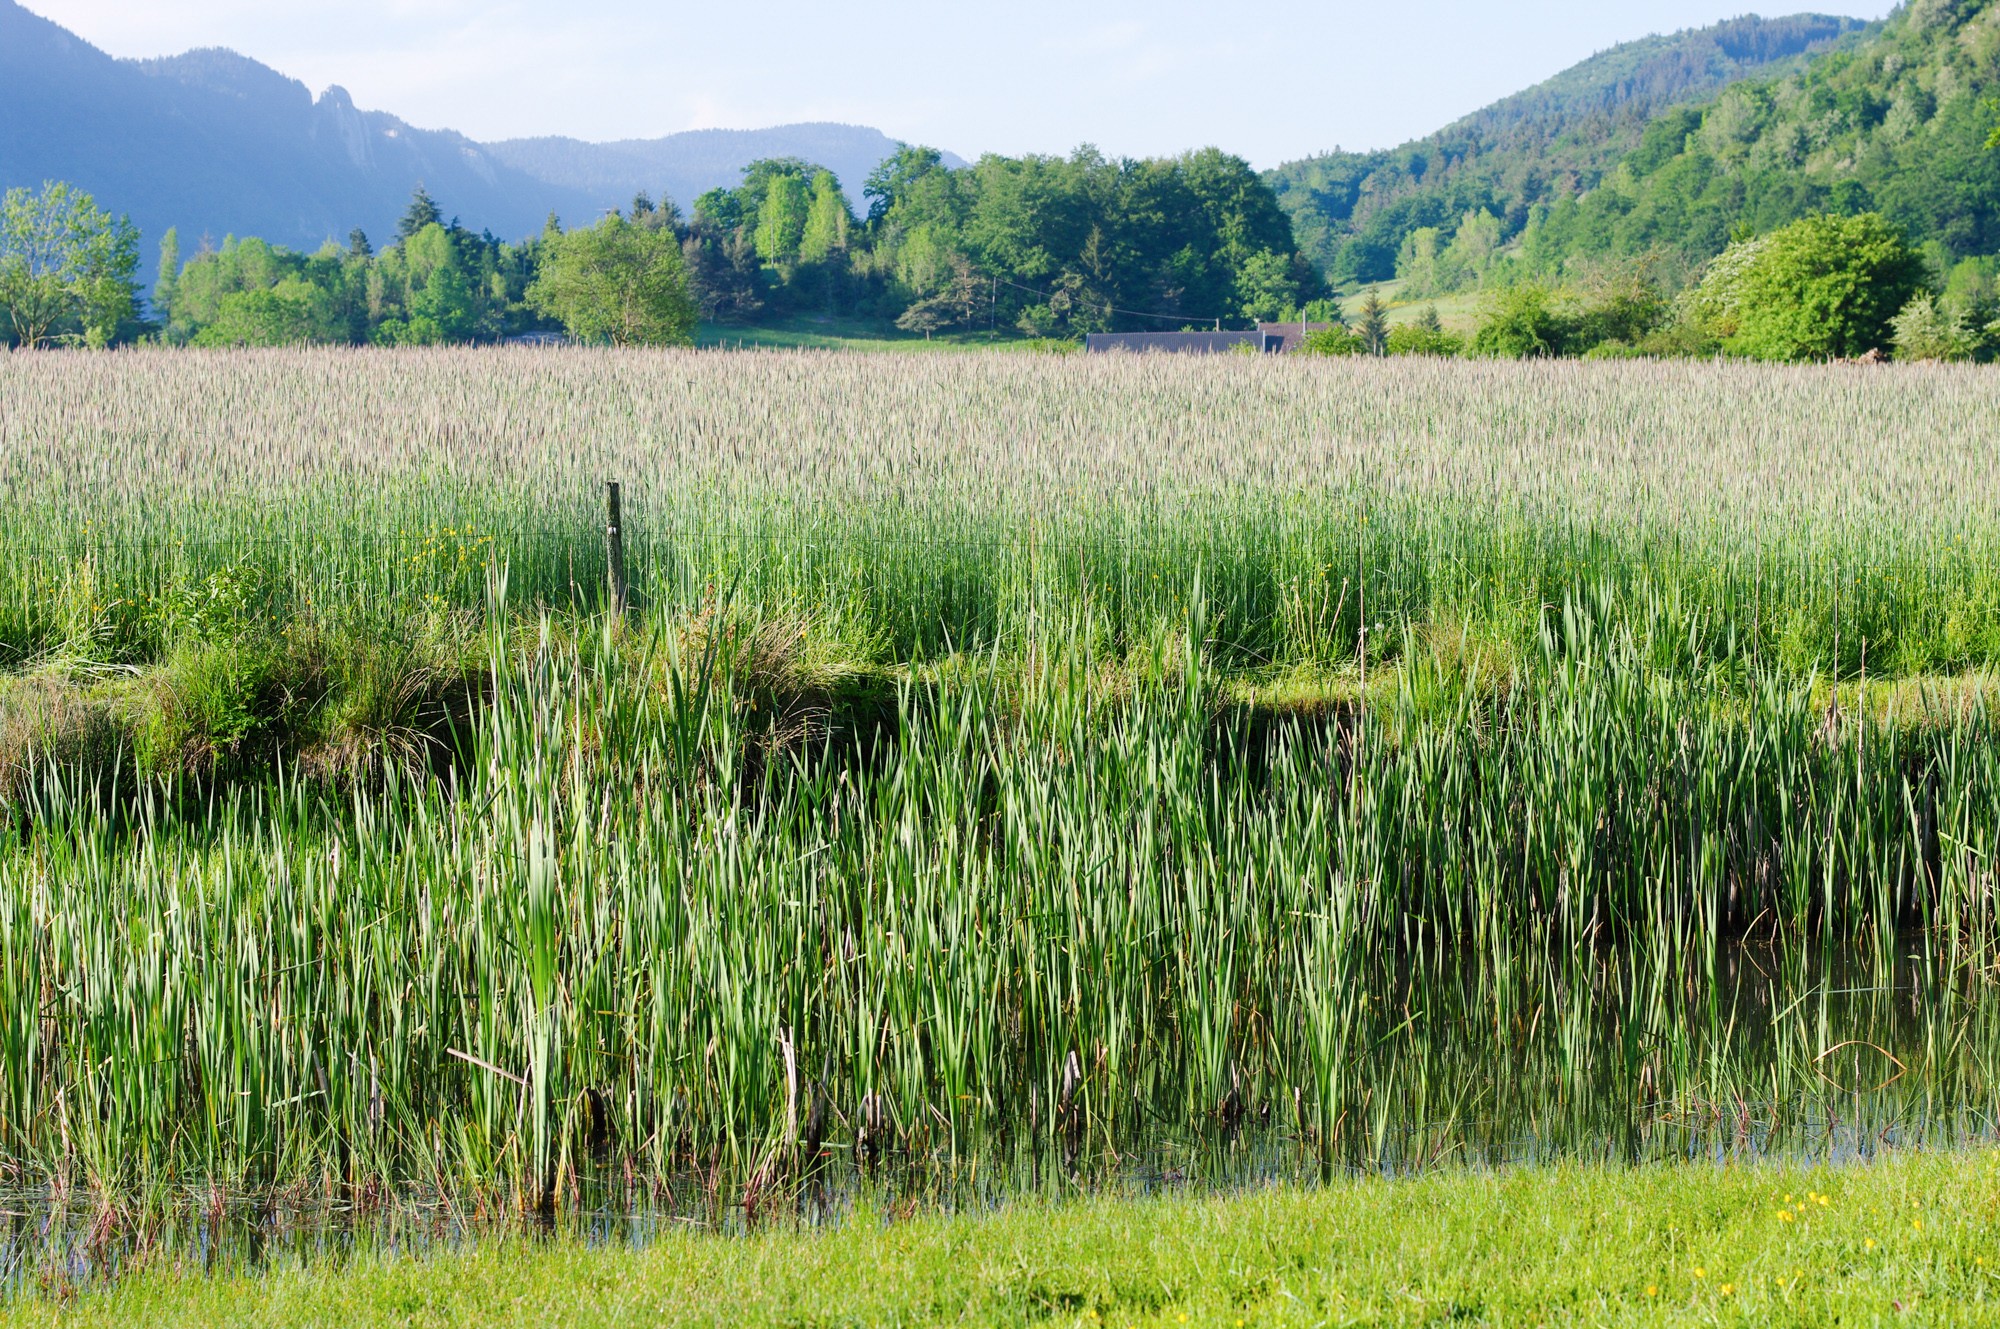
(1292, 336)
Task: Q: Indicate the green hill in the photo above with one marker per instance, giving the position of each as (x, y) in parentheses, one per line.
(1898, 122)
(1353, 211)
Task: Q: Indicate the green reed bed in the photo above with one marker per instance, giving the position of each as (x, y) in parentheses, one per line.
(1056, 900)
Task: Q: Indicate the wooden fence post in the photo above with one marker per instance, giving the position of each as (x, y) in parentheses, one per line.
(614, 547)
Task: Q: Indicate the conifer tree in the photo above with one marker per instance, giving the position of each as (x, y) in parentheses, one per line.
(1373, 329)
(422, 212)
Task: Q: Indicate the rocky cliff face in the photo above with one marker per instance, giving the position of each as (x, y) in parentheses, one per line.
(338, 122)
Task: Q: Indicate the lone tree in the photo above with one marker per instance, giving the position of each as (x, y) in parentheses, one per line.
(66, 267)
(617, 283)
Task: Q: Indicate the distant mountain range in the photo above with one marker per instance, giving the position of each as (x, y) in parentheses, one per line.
(215, 143)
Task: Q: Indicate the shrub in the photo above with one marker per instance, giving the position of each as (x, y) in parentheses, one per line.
(207, 705)
(1425, 337)
(1626, 312)
(1523, 324)
(1822, 288)
(1928, 329)
(1336, 340)
(260, 318)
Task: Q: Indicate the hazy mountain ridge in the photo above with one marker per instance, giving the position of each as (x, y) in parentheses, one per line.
(686, 165)
(1555, 140)
(216, 143)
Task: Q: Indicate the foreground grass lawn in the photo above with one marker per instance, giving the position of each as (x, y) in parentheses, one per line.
(1905, 1240)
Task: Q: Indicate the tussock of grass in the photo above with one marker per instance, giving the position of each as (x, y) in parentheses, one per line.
(338, 705)
(50, 721)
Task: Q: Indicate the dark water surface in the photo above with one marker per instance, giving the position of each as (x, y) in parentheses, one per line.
(1760, 1054)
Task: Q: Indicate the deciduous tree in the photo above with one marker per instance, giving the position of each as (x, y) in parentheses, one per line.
(66, 267)
(781, 221)
(617, 283)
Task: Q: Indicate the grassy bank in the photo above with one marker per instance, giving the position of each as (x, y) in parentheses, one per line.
(1902, 1239)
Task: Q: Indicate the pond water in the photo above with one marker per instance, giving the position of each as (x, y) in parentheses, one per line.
(1832, 1055)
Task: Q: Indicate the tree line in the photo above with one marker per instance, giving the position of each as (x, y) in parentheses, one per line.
(1034, 246)
(1051, 247)
(1825, 287)
(972, 249)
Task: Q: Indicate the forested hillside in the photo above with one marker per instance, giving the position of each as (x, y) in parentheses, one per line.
(1899, 123)
(1355, 212)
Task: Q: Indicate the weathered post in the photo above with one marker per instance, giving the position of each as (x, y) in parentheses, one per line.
(614, 547)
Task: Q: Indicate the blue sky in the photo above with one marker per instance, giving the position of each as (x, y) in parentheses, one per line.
(1269, 80)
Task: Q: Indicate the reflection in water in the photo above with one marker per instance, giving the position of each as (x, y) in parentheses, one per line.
(1753, 1052)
